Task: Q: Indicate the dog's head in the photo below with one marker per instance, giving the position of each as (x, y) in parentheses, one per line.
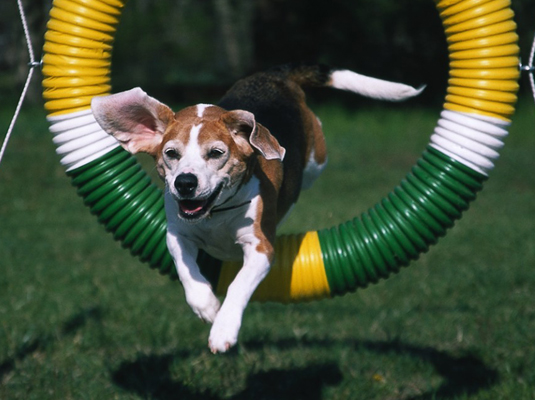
(202, 152)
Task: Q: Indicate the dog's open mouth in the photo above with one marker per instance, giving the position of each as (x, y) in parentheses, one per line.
(197, 208)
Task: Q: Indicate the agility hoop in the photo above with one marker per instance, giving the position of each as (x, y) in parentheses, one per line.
(480, 99)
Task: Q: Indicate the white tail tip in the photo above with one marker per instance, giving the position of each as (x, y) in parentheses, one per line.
(372, 87)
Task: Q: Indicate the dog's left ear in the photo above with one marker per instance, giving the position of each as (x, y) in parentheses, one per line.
(241, 122)
(135, 119)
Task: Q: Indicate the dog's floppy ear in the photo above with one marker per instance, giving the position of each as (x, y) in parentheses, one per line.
(241, 122)
(135, 119)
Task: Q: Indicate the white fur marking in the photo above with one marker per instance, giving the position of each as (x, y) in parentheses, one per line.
(312, 171)
(194, 134)
(372, 87)
(191, 160)
(192, 152)
(201, 108)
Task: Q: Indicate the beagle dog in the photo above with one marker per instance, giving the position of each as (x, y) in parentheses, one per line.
(232, 171)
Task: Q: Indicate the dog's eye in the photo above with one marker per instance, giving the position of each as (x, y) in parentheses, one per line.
(172, 153)
(215, 153)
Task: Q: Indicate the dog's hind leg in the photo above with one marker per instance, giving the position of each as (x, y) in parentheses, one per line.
(316, 154)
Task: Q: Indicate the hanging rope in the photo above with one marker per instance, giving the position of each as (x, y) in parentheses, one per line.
(32, 64)
(530, 69)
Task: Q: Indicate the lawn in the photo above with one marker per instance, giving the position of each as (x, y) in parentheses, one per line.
(82, 319)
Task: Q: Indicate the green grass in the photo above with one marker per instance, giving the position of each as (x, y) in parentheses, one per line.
(81, 319)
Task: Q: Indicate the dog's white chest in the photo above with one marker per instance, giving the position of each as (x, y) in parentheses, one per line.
(219, 240)
(224, 234)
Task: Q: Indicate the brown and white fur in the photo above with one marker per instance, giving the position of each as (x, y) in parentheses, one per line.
(232, 171)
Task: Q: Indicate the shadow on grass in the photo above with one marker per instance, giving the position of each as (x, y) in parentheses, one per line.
(150, 376)
(69, 328)
(463, 375)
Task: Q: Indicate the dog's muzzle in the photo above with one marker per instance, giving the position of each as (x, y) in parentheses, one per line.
(189, 207)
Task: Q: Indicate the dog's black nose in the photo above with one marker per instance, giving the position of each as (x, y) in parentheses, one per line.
(186, 184)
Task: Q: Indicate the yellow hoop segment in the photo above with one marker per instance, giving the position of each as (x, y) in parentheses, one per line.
(78, 53)
(107, 15)
(496, 84)
(497, 40)
(469, 10)
(298, 264)
(483, 57)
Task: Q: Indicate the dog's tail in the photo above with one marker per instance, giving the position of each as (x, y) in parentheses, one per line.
(322, 75)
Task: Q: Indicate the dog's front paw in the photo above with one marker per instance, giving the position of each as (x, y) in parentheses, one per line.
(224, 332)
(204, 303)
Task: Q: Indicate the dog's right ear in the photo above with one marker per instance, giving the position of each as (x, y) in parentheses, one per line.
(135, 119)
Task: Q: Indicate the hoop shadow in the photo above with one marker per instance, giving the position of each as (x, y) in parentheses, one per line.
(150, 375)
(463, 375)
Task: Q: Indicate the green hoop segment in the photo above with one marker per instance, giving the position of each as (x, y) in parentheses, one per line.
(480, 99)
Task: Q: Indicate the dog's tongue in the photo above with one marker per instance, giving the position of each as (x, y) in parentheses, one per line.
(192, 206)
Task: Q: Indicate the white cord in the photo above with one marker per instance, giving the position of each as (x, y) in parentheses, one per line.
(26, 31)
(32, 65)
(531, 69)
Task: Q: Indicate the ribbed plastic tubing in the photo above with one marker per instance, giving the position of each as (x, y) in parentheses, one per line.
(463, 148)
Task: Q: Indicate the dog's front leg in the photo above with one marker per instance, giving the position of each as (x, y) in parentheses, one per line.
(198, 291)
(224, 332)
